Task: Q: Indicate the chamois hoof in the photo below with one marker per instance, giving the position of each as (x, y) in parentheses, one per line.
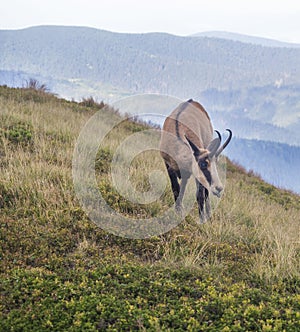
(204, 217)
(179, 210)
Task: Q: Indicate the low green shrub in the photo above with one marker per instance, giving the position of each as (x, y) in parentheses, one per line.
(114, 297)
(18, 133)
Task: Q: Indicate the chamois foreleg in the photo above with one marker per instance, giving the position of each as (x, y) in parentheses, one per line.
(207, 204)
(203, 202)
(184, 179)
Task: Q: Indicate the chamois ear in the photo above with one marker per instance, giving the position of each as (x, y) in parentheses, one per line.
(213, 146)
(194, 147)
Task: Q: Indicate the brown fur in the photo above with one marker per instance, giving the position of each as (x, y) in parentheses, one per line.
(188, 121)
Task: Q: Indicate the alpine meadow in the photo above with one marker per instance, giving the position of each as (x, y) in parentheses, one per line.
(240, 271)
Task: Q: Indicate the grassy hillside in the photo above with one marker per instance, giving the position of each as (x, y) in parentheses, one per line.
(60, 272)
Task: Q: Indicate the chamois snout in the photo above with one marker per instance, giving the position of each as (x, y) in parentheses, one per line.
(217, 190)
(216, 186)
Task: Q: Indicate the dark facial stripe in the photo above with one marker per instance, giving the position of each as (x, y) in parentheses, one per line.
(207, 175)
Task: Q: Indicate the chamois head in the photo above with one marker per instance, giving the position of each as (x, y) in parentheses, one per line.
(206, 170)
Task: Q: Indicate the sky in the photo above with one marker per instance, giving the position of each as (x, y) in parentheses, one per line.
(275, 19)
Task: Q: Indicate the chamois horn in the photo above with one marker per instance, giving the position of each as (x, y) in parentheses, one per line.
(226, 142)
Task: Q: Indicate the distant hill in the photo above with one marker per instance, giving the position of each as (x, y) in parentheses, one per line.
(245, 39)
(156, 62)
(277, 163)
(267, 113)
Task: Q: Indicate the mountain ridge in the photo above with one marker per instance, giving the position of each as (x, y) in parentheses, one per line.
(99, 55)
(221, 34)
(244, 38)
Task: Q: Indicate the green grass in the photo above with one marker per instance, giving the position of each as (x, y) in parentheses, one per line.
(60, 272)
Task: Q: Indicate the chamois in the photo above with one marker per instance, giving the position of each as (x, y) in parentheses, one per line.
(188, 147)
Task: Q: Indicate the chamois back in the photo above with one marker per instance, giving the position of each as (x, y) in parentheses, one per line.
(190, 120)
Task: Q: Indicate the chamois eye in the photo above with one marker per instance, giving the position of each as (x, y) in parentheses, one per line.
(203, 164)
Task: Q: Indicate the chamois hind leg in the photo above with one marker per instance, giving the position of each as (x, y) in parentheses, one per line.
(203, 202)
(174, 181)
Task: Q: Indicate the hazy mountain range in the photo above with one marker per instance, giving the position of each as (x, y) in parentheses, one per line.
(245, 39)
(251, 85)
